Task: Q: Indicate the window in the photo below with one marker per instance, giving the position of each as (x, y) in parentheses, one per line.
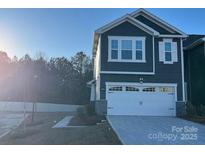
(150, 89)
(139, 50)
(166, 89)
(168, 56)
(114, 49)
(117, 88)
(131, 88)
(168, 51)
(168, 46)
(126, 49)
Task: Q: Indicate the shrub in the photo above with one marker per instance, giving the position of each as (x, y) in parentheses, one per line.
(203, 109)
(87, 110)
(90, 109)
(191, 109)
(81, 112)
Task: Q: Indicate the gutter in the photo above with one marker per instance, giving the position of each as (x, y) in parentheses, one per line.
(194, 44)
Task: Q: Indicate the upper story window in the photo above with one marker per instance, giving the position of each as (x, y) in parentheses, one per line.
(139, 50)
(114, 49)
(168, 51)
(126, 49)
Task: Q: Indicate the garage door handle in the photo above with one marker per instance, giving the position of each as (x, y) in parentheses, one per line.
(110, 107)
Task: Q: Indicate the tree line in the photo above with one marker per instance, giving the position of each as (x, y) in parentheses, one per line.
(57, 80)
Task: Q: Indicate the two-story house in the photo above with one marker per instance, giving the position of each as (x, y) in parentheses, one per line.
(138, 67)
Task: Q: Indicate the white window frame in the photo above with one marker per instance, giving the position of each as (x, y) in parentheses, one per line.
(133, 39)
(164, 42)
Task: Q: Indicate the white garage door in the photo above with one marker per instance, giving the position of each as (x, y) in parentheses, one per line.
(141, 100)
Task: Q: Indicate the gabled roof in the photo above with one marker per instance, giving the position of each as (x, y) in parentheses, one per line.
(117, 22)
(157, 20)
(131, 19)
(193, 41)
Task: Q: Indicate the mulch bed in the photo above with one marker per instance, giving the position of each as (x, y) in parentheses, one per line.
(197, 119)
(86, 120)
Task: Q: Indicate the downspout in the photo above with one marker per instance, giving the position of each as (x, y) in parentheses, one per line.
(182, 68)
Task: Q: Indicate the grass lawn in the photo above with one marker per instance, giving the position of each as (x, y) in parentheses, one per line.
(40, 132)
(197, 119)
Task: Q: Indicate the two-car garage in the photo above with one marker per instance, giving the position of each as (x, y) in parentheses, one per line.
(141, 99)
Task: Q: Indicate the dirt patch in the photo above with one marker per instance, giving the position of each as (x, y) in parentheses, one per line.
(197, 119)
(40, 132)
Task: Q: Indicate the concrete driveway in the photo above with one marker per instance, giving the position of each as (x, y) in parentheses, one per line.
(157, 130)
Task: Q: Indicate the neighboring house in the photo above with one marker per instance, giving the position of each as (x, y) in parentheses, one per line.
(138, 67)
(194, 63)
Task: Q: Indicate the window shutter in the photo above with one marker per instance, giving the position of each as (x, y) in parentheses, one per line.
(161, 52)
(174, 52)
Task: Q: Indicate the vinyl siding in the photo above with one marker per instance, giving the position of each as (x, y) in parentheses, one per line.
(195, 74)
(154, 26)
(126, 29)
(164, 73)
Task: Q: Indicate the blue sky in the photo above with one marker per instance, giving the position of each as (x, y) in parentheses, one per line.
(63, 32)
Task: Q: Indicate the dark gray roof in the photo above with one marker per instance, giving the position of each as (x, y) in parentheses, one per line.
(191, 39)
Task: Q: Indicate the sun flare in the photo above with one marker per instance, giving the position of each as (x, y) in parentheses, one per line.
(7, 42)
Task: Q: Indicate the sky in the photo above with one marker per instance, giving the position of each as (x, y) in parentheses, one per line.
(63, 32)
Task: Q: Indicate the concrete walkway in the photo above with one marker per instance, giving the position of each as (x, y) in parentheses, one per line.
(157, 130)
(63, 123)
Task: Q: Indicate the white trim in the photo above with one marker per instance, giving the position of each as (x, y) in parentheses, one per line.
(160, 21)
(131, 38)
(139, 84)
(126, 61)
(153, 45)
(124, 72)
(144, 25)
(144, 84)
(97, 60)
(130, 19)
(182, 67)
(92, 93)
(173, 36)
(169, 40)
(99, 54)
(152, 20)
(89, 83)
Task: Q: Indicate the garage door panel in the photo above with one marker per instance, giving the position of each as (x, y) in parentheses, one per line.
(141, 102)
(128, 107)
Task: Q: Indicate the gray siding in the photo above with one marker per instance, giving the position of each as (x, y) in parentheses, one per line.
(126, 29)
(195, 74)
(164, 73)
(154, 26)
